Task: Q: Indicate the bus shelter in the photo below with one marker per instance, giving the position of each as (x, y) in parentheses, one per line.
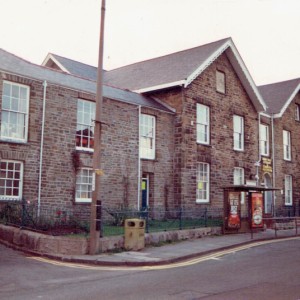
(244, 208)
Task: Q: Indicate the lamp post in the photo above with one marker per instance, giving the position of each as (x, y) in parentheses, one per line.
(94, 231)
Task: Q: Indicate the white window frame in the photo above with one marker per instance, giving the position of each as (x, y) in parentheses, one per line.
(239, 179)
(147, 136)
(203, 124)
(220, 82)
(288, 190)
(9, 180)
(85, 121)
(238, 133)
(13, 106)
(203, 183)
(264, 139)
(84, 185)
(287, 155)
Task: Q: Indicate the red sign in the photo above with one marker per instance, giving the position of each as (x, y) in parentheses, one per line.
(234, 220)
(257, 210)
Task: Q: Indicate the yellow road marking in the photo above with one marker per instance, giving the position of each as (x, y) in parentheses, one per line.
(190, 262)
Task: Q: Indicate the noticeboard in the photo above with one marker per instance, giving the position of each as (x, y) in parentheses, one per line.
(233, 211)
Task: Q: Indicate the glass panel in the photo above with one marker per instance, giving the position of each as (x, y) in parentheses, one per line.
(5, 102)
(15, 91)
(6, 89)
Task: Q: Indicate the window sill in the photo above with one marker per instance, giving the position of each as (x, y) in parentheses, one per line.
(202, 201)
(287, 160)
(87, 150)
(203, 144)
(3, 140)
(81, 201)
(239, 150)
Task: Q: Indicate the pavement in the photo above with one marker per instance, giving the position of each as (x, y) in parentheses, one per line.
(177, 251)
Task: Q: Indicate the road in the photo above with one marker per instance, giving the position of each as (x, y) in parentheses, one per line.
(270, 271)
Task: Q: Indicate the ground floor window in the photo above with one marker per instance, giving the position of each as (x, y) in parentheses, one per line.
(288, 190)
(84, 181)
(11, 180)
(202, 193)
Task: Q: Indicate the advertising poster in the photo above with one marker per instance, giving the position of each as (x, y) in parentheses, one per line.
(234, 219)
(257, 210)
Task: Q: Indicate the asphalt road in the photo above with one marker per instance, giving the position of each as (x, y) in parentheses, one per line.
(271, 271)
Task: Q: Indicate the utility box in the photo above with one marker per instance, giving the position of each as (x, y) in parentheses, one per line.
(134, 234)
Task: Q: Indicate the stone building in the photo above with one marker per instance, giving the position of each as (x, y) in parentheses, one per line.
(47, 139)
(176, 130)
(280, 145)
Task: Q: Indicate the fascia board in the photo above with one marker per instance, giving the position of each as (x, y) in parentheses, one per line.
(50, 56)
(207, 63)
(248, 77)
(288, 102)
(160, 87)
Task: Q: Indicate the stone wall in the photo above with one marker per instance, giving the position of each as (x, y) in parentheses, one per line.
(53, 245)
(283, 167)
(219, 153)
(119, 149)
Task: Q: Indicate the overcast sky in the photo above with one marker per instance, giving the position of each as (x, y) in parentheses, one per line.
(266, 32)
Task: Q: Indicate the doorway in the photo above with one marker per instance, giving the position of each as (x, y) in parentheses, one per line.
(268, 194)
(145, 193)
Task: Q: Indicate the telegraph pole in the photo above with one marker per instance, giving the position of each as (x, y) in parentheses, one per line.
(94, 231)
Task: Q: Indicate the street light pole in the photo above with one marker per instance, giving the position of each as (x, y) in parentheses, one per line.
(94, 231)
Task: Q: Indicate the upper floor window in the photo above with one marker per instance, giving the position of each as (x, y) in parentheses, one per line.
(220, 82)
(238, 133)
(147, 138)
(288, 189)
(286, 145)
(202, 193)
(238, 176)
(264, 139)
(297, 112)
(11, 179)
(202, 124)
(84, 183)
(14, 114)
(85, 125)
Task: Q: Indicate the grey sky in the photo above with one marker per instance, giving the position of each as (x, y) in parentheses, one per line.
(266, 32)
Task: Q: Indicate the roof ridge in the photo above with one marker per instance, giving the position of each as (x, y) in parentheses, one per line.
(169, 54)
(278, 82)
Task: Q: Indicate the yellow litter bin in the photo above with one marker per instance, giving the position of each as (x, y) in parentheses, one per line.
(134, 234)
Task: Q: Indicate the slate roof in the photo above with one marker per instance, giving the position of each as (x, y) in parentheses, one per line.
(72, 66)
(177, 69)
(170, 68)
(18, 66)
(181, 68)
(279, 95)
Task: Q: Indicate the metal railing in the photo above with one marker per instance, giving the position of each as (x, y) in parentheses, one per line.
(76, 219)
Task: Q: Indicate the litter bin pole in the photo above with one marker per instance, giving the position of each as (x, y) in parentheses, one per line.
(134, 238)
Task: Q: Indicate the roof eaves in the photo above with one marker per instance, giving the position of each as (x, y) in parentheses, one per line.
(161, 86)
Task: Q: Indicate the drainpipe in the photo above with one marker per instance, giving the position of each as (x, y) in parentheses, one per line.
(257, 163)
(273, 160)
(139, 157)
(41, 148)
